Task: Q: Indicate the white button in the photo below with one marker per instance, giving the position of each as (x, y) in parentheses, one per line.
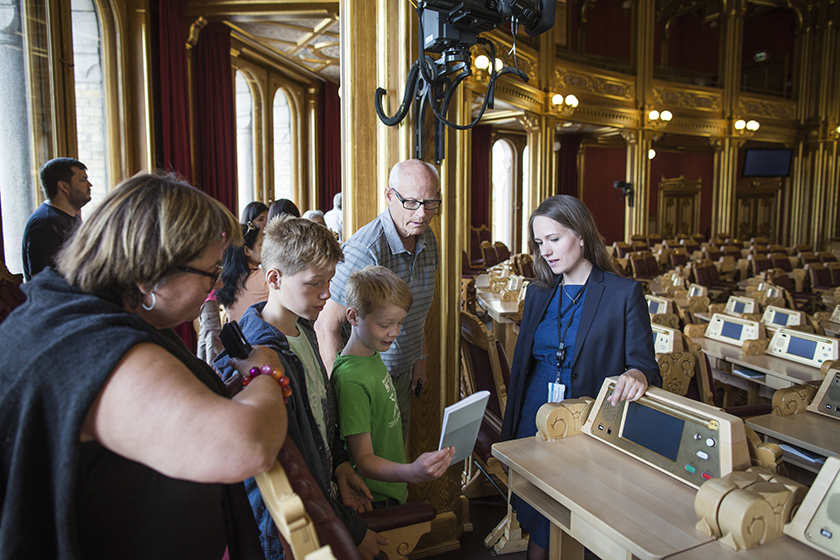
(703, 455)
(697, 437)
(710, 442)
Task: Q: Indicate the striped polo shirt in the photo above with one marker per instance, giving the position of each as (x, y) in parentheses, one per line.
(378, 243)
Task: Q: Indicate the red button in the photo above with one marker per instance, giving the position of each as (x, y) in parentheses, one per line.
(707, 476)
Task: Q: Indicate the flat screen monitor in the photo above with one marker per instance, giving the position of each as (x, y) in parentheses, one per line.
(802, 347)
(780, 319)
(731, 330)
(739, 307)
(767, 162)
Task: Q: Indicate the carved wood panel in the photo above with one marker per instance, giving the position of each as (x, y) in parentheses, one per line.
(679, 206)
(757, 207)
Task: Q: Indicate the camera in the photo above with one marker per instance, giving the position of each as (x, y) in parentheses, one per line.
(450, 28)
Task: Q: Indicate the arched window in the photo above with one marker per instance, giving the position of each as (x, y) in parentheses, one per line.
(90, 98)
(502, 191)
(246, 187)
(283, 161)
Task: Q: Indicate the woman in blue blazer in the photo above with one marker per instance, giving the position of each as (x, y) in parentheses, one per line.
(581, 324)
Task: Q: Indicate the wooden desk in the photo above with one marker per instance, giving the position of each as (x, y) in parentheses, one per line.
(703, 317)
(501, 313)
(599, 498)
(779, 373)
(722, 356)
(783, 548)
(812, 432)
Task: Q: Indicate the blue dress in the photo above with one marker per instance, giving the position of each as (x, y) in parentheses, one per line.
(546, 342)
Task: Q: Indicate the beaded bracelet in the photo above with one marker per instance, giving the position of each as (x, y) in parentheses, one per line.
(276, 373)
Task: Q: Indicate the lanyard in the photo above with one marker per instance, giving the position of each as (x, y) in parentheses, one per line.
(561, 331)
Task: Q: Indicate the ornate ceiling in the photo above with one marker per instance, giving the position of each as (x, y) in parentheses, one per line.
(301, 34)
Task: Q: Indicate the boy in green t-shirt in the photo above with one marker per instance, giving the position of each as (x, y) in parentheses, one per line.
(369, 416)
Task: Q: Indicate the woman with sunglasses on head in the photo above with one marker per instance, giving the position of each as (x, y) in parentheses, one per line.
(116, 441)
(243, 281)
(581, 324)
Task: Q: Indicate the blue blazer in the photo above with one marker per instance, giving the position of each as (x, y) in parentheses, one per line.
(614, 335)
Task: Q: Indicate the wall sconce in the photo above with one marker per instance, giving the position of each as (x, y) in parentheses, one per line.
(651, 153)
(482, 66)
(745, 128)
(656, 120)
(564, 106)
(836, 131)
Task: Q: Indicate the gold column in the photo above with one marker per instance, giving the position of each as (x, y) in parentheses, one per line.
(637, 173)
(359, 136)
(311, 157)
(543, 163)
(723, 198)
(369, 150)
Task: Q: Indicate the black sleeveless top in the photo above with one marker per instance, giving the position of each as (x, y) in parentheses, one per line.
(64, 499)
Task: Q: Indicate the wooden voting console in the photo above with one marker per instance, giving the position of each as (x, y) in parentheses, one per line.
(688, 440)
(666, 339)
(827, 399)
(817, 522)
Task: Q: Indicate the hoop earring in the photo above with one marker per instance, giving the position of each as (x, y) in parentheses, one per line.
(150, 307)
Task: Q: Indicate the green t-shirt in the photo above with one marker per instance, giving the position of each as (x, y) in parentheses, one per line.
(367, 402)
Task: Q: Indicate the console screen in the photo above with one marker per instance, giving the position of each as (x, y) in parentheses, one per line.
(653, 430)
(655, 334)
(802, 347)
(780, 318)
(653, 307)
(731, 330)
(739, 307)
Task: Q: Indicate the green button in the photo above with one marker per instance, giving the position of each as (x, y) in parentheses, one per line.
(690, 469)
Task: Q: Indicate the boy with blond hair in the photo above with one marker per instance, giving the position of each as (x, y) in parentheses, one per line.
(369, 416)
(298, 260)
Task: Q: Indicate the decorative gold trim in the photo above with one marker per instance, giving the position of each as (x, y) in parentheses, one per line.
(708, 100)
(765, 107)
(585, 80)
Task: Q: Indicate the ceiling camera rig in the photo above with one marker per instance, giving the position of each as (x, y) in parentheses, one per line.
(449, 28)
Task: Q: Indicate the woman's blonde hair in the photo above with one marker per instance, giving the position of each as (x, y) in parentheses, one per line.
(376, 287)
(145, 227)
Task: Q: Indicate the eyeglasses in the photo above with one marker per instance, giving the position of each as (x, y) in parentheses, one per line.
(415, 204)
(214, 275)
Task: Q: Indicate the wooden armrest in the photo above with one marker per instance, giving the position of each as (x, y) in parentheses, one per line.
(386, 519)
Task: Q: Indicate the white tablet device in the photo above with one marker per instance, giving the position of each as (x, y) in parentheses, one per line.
(666, 339)
(659, 305)
(805, 348)
(733, 330)
(736, 305)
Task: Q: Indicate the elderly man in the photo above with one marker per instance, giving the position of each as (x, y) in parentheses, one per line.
(399, 239)
(66, 186)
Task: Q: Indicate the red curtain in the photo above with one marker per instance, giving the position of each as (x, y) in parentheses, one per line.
(330, 144)
(568, 180)
(216, 115)
(480, 176)
(175, 126)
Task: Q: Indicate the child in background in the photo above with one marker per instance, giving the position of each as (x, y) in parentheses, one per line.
(369, 416)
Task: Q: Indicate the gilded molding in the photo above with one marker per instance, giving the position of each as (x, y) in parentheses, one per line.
(527, 59)
(594, 83)
(609, 116)
(519, 94)
(684, 98)
(760, 107)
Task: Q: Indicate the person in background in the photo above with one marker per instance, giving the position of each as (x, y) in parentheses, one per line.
(66, 186)
(401, 240)
(335, 218)
(283, 207)
(368, 414)
(581, 324)
(256, 213)
(315, 216)
(243, 281)
(118, 442)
